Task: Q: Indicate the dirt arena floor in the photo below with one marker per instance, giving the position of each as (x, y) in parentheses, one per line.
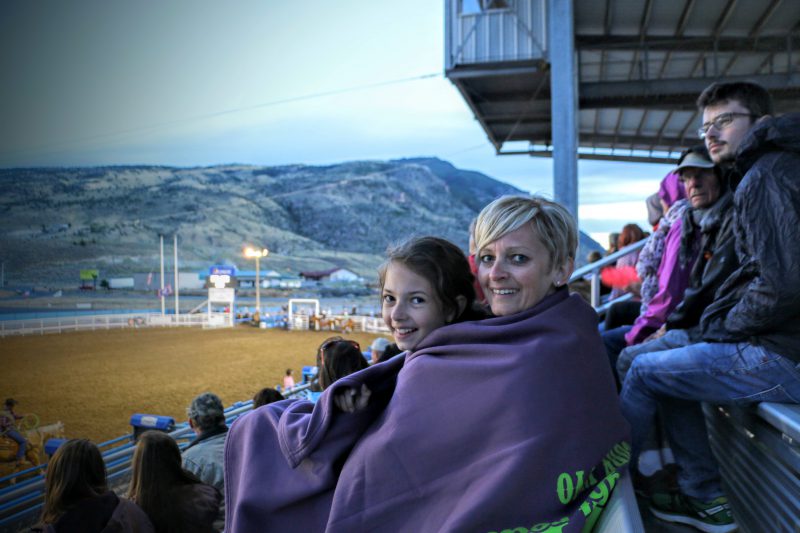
(94, 381)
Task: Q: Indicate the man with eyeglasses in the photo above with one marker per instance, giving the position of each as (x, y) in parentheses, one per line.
(749, 345)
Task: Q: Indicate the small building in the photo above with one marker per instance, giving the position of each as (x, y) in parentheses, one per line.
(246, 279)
(120, 283)
(152, 280)
(333, 274)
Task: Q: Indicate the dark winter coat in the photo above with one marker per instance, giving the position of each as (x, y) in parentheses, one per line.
(760, 302)
(716, 261)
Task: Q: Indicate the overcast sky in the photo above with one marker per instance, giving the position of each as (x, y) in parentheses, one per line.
(200, 82)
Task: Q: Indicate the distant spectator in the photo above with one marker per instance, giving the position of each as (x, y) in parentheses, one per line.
(175, 499)
(654, 209)
(265, 396)
(8, 428)
(77, 499)
(613, 246)
(377, 348)
(204, 456)
(671, 190)
(339, 357)
(390, 352)
(624, 313)
(672, 198)
(594, 256)
(288, 379)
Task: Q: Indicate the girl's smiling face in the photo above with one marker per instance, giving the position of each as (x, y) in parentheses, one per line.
(410, 306)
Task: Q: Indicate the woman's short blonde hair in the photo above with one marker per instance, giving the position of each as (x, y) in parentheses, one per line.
(551, 222)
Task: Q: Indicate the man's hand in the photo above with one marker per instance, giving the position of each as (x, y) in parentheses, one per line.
(351, 400)
(657, 334)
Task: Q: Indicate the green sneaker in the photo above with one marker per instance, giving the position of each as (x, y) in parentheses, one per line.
(712, 517)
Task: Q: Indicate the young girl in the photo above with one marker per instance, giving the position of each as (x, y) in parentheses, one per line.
(158, 478)
(425, 284)
(282, 461)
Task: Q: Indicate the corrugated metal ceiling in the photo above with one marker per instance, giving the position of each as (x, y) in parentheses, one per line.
(642, 65)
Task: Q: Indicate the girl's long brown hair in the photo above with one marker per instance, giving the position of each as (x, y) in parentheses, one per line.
(76, 471)
(156, 472)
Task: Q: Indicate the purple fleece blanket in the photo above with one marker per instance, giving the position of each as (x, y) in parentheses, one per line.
(511, 422)
(282, 460)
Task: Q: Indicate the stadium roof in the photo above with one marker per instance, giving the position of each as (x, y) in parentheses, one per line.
(641, 66)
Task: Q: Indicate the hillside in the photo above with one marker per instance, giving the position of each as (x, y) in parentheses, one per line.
(57, 221)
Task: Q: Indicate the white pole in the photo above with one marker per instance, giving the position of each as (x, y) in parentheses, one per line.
(258, 288)
(163, 310)
(177, 308)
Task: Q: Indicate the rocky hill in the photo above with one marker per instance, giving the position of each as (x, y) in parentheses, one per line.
(58, 221)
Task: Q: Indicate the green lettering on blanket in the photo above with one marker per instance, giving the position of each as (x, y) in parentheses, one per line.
(570, 486)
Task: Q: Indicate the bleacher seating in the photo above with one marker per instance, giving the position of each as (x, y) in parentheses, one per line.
(758, 449)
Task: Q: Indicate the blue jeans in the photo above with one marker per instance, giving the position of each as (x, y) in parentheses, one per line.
(614, 341)
(674, 338)
(22, 443)
(681, 378)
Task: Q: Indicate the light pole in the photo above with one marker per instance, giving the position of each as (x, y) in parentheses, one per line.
(258, 253)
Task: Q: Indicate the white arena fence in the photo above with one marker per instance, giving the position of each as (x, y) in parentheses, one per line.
(94, 322)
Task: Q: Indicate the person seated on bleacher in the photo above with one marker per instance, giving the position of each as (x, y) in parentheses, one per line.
(339, 358)
(716, 260)
(76, 496)
(682, 244)
(492, 423)
(174, 498)
(672, 198)
(488, 417)
(430, 282)
(630, 234)
(750, 334)
(377, 348)
(204, 455)
(266, 396)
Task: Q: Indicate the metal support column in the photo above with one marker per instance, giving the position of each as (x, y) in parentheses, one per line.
(564, 102)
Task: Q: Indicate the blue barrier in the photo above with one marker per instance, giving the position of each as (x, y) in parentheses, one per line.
(52, 445)
(309, 373)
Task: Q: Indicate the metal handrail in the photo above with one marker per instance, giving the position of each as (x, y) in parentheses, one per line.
(30, 493)
(593, 269)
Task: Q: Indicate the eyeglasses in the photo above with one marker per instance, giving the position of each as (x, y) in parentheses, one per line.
(720, 122)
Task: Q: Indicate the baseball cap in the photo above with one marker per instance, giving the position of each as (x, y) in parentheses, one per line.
(379, 344)
(696, 160)
(207, 404)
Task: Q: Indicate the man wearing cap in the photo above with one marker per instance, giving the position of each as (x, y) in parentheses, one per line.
(8, 427)
(377, 348)
(706, 228)
(204, 455)
(697, 222)
(750, 334)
